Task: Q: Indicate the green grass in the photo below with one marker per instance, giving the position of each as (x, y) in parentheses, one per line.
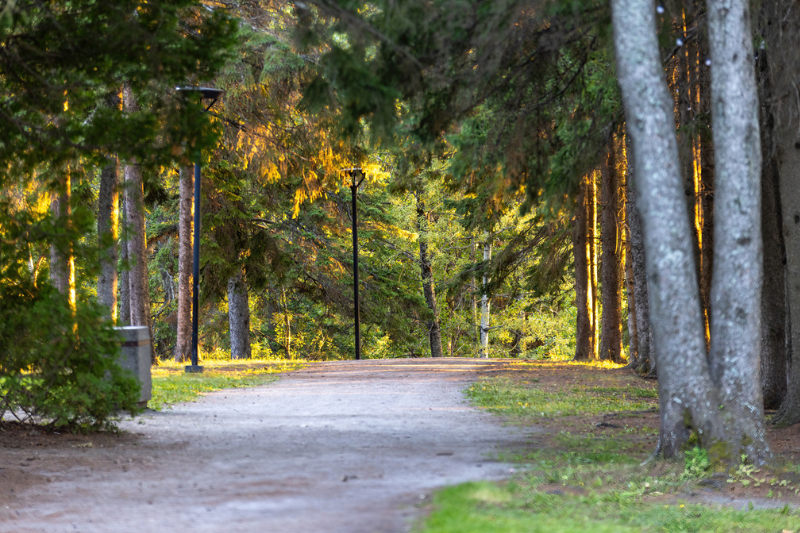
(171, 385)
(503, 396)
(579, 482)
(520, 507)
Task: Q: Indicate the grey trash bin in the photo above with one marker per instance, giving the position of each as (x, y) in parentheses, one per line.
(136, 358)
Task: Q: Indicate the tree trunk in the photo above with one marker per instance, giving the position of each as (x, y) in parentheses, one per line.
(473, 299)
(287, 325)
(774, 357)
(706, 155)
(183, 345)
(644, 341)
(124, 275)
(62, 263)
(239, 317)
(485, 302)
(108, 234)
(611, 327)
(784, 65)
(736, 289)
(434, 331)
(584, 332)
(685, 388)
(137, 244)
(591, 240)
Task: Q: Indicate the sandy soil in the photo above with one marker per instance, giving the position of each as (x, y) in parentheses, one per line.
(346, 447)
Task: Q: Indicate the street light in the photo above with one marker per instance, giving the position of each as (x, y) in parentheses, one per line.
(206, 93)
(353, 172)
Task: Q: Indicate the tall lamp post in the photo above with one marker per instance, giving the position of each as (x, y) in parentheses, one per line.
(206, 93)
(354, 172)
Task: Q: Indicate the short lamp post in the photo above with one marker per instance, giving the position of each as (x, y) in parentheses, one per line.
(206, 93)
(353, 173)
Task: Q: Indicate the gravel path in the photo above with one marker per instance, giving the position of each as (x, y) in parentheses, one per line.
(350, 447)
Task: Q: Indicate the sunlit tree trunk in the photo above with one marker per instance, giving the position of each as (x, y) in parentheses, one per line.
(124, 275)
(62, 262)
(108, 234)
(287, 325)
(738, 259)
(584, 332)
(485, 301)
(685, 387)
(611, 272)
(239, 317)
(434, 331)
(591, 241)
(183, 345)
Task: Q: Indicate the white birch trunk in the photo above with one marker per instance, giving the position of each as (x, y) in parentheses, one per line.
(485, 303)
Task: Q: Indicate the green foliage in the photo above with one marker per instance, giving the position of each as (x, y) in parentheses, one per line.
(58, 366)
(697, 463)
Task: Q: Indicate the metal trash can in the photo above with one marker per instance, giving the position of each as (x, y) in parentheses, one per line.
(136, 358)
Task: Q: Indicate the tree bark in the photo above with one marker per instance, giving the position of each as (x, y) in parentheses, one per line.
(591, 240)
(138, 278)
(584, 332)
(239, 317)
(434, 331)
(124, 275)
(737, 279)
(62, 265)
(485, 302)
(706, 154)
(183, 344)
(645, 354)
(610, 264)
(774, 356)
(685, 387)
(108, 234)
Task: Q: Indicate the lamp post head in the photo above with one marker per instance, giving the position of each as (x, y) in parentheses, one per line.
(206, 93)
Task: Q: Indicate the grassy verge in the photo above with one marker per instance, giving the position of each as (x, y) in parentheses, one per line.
(172, 385)
(588, 471)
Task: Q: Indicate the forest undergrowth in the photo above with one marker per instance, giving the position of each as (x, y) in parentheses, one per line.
(588, 464)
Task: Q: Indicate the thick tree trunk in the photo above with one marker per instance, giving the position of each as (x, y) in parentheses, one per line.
(239, 317)
(774, 357)
(736, 289)
(584, 332)
(784, 65)
(610, 264)
(108, 234)
(685, 388)
(485, 302)
(434, 331)
(183, 345)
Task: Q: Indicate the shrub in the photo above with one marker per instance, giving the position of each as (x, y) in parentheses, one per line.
(58, 365)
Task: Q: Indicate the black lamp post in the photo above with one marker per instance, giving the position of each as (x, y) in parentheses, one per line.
(206, 93)
(357, 316)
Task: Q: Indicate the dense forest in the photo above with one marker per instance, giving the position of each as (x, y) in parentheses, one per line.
(539, 179)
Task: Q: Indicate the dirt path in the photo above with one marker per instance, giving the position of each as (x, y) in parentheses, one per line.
(346, 447)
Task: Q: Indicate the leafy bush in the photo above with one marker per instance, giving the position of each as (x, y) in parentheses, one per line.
(58, 365)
